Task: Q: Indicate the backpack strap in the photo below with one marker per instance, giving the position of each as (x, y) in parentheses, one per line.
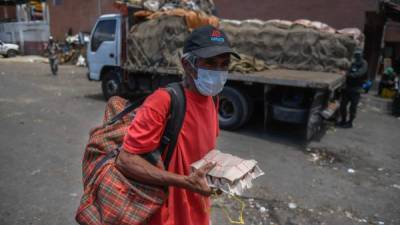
(174, 125)
(127, 110)
(175, 121)
(216, 101)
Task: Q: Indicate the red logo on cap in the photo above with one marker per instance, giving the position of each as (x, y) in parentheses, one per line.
(216, 33)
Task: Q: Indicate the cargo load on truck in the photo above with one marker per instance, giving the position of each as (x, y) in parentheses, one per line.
(298, 45)
(155, 45)
(207, 6)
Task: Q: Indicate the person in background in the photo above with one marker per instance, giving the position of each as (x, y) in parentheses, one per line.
(355, 78)
(387, 80)
(396, 100)
(52, 49)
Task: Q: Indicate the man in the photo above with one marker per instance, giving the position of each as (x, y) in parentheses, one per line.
(205, 61)
(387, 79)
(396, 100)
(351, 94)
(52, 49)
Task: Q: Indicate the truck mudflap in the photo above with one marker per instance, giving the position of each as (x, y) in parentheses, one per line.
(314, 122)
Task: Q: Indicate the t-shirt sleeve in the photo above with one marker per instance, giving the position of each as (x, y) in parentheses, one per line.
(145, 131)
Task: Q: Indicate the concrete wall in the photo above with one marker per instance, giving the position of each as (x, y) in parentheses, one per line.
(337, 13)
(8, 13)
(76, 14)
(29, 35)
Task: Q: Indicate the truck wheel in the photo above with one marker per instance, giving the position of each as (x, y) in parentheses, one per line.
(11, 53)
(110, 84)
(233, 109)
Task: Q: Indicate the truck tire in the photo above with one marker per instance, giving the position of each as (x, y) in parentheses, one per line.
(234, 109)
(11, 53)
(110, 84)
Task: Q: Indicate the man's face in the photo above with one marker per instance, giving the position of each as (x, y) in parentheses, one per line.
(217, 63)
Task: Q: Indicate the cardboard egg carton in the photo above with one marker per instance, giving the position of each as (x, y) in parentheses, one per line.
(232, 175)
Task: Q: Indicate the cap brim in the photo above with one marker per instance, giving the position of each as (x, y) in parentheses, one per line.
(212, 51)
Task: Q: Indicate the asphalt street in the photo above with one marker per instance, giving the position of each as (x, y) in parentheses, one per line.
(346, 176)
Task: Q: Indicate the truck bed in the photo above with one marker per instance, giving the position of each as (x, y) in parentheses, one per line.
(285, 77)
(297, 78)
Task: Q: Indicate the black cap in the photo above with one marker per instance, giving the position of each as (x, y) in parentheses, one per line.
(208, 41)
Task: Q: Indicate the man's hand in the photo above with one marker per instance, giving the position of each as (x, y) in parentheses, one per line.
(197, 180)
(136, 167)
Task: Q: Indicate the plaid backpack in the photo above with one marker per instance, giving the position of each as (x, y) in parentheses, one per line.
(109, 197)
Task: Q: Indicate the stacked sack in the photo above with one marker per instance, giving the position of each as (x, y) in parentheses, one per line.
(155, 45)
(299, 45)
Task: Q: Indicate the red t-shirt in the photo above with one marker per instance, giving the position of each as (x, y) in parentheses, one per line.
(197, 137)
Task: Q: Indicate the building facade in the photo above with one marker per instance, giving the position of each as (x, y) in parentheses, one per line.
(25, 23)
(8, 13)
(338, 14)
(76, 15)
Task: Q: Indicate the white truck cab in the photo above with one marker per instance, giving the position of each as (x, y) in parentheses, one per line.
(104, 52)
(8, 50)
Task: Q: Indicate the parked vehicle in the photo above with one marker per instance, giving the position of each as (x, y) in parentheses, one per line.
(8, 50)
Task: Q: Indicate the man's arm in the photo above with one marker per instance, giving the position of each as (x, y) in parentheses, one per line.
(135, 167)
(361, 72)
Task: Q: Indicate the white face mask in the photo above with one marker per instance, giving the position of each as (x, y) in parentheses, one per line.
(210, 82)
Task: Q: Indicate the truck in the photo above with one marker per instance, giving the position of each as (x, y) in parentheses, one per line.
(283, 95)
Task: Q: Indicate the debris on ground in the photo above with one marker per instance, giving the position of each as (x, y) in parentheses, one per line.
(351, 216)
(292, 205)
(396, 186)
(322, 157)
(331, 130)
(266, 211)
(33, 173)
(350, 170)
(81, 61)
